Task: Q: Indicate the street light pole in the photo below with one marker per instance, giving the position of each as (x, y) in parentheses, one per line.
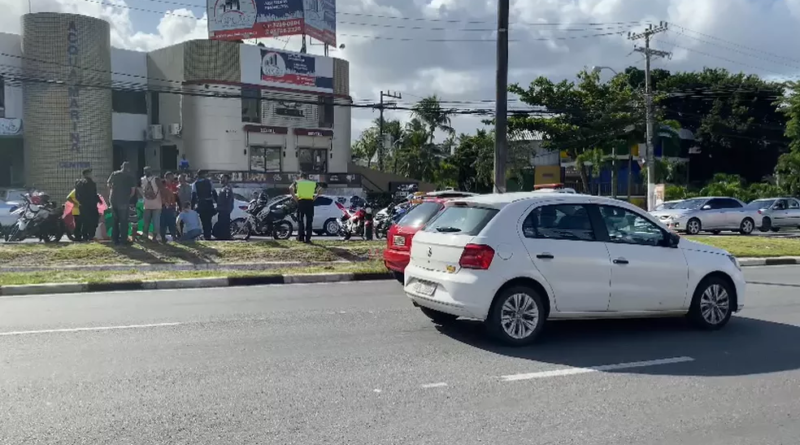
(501, 106)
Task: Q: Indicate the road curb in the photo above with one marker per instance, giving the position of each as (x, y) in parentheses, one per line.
(777, 261)
(190, 283)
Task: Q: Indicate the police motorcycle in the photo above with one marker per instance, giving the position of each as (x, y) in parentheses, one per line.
(263, 220)
(38, 217)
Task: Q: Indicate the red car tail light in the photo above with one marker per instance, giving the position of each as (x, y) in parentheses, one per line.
(476, 256)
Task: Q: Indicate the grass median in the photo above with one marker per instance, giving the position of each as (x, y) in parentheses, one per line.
(214, 252)
(23, 278)
(753, 246)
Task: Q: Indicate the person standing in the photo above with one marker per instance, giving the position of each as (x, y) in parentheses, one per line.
(224, 209)
(203, 198)
(76, 212)
(184, 191)
(86, 193)
(304, 192)
(151, 190)
(169, 196)
(122, 186)
(183, 165)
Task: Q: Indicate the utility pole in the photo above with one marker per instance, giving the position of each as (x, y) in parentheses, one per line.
(648, 52)
(501, 105)
(381, 142)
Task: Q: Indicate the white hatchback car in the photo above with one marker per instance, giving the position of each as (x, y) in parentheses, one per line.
(516, 260)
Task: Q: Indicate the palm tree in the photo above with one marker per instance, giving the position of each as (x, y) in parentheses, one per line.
(430, 112)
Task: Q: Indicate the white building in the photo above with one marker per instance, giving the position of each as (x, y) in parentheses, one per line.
(261, 114)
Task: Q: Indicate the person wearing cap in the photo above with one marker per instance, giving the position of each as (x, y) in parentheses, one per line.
(304, 191)
(86, 195)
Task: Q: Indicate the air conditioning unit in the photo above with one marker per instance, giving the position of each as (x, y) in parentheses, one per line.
(174, 129)
(155, 133)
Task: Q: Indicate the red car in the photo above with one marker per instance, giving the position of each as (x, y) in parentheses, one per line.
(398, 239)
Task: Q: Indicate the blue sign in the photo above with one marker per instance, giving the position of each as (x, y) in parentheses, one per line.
(294, 69)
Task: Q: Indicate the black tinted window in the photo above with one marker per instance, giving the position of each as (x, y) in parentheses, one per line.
(132, 102)
(421, 214)
(461, 220)
(730, 204)
(566, 221)
(323, 201)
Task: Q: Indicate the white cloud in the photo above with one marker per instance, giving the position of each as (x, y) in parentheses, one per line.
(701, 35)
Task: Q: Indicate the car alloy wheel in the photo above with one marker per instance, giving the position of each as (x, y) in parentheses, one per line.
(693, 227)
(331, 227)
(519, 316)
(715, 304)
(747, 226)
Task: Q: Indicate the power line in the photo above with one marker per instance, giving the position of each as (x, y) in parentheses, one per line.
(756, 56)
(666, 42)
(759, 50)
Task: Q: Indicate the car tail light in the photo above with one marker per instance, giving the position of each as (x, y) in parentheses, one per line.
(244, 207)
(760, 212)
(476, 256)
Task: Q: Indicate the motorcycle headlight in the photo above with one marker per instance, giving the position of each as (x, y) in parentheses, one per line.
(29, 214)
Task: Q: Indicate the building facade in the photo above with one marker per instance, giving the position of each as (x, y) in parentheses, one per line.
(68, 101)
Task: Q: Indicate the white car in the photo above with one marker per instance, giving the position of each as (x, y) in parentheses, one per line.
(238, 215)
(516, 260)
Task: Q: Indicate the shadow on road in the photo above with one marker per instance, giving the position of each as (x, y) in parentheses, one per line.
(745, 346)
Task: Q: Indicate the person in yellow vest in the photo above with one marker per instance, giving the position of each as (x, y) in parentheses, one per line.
(304, 192)
(76, 213)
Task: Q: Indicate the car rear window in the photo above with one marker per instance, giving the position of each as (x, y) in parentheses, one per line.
(419, 215)
(462, 220)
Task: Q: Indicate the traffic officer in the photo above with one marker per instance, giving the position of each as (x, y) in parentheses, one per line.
(304, 192)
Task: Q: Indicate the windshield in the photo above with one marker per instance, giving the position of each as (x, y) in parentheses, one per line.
(419, 215)
(690, 204)
(760, 204)
(668, 205)
(462, 220)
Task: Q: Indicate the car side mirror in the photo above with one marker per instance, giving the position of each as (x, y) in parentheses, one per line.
(705, 207)
(671, 240)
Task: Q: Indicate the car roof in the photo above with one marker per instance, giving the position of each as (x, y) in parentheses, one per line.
(499, 200)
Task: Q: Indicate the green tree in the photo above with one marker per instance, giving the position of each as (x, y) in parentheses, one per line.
(579, 117)
(429, 111)
(788, 167)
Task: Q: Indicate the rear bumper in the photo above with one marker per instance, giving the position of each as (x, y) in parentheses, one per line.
(396, 260)
(460, 294)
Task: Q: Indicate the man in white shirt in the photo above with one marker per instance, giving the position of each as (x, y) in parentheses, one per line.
(151, 191)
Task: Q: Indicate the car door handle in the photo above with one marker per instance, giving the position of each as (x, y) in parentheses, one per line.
(620, 261)
(545, 256)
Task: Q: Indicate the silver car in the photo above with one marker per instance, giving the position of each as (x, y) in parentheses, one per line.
(710, 214)
(776, 213)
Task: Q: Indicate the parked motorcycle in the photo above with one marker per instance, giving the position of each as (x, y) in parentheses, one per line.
(385, 218)
(263, 221)
(38, 217)
(356, 221)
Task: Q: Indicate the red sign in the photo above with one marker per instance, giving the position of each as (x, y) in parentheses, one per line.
(265, 129)
(307, 132)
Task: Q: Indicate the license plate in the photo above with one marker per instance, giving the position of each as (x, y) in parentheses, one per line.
(399, 240)
(424, 288)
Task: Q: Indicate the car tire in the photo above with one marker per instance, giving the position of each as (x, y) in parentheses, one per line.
(694, 226)
(747, 226)
(775, 229)
(331, 227)
(517, 316)
(716, 232)
(438, 317)
(766, 225)
(400, 277)
(712, 304)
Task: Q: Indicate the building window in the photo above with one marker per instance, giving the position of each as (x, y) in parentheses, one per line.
(313, 160)
(265, 159)
(154, 108)
(2, 97)
(325, 112)
(132, 102)
(251, 105)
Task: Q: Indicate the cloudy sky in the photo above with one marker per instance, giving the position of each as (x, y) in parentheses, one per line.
(445, 47)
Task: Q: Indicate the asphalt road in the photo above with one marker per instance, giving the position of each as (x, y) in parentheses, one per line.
(357, 364)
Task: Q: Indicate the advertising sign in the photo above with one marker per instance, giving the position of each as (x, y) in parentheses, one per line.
(251, 19)
(285, 69)
(320, 20)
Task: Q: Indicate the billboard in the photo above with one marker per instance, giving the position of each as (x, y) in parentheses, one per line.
(319, 20)
(250, 19)
(285, 69)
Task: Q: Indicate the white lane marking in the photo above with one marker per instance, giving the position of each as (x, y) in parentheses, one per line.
(573, 371)
(377, 390)
(434, 385)
(98, 328)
